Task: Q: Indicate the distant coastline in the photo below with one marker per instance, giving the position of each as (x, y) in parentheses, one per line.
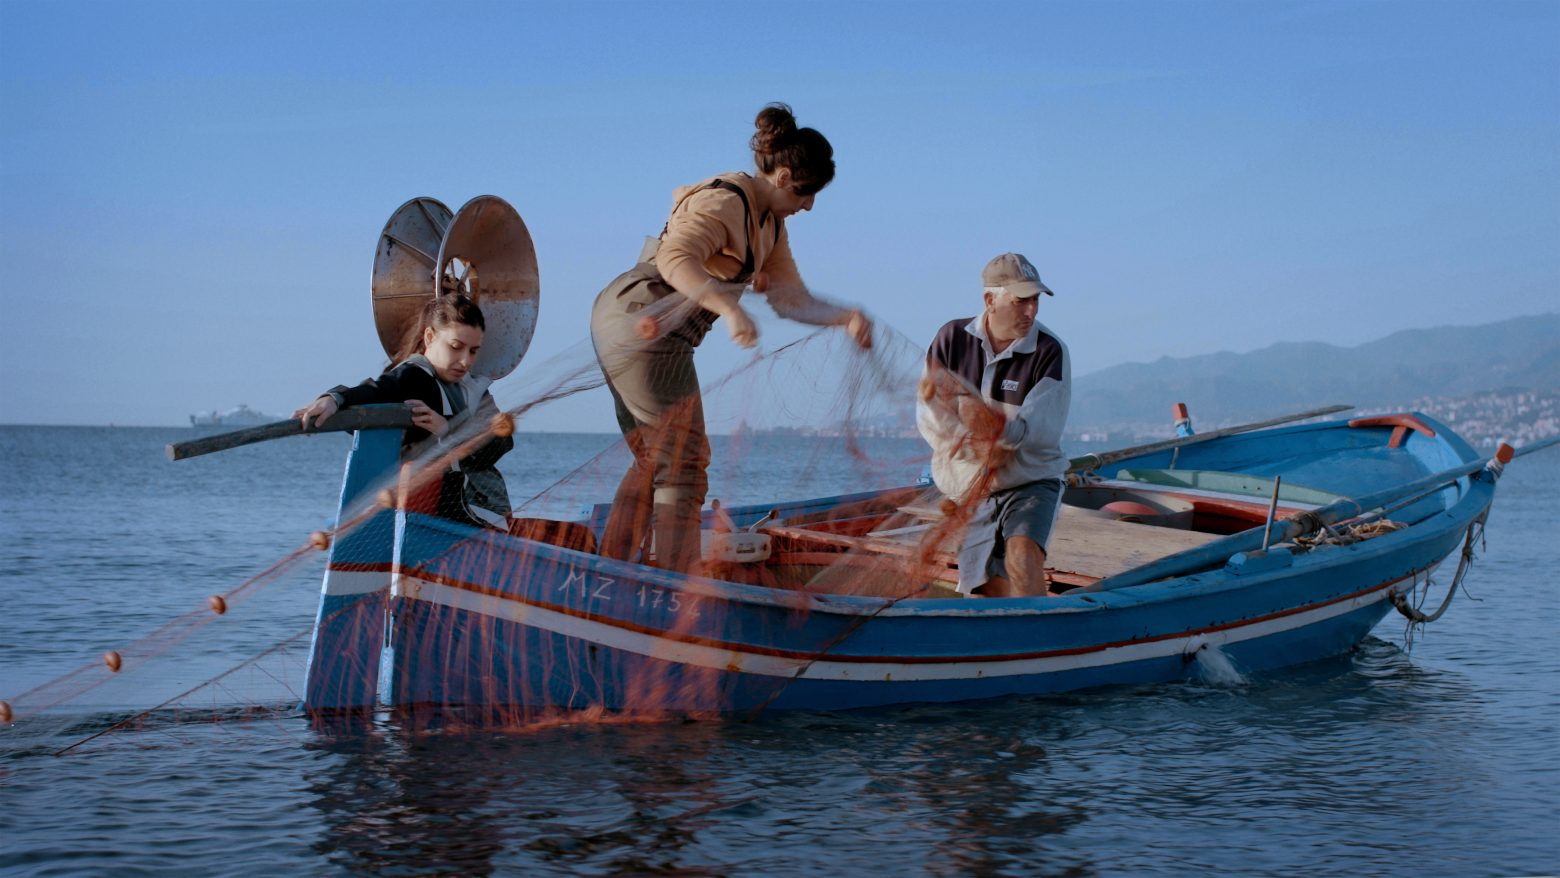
(1515, 415)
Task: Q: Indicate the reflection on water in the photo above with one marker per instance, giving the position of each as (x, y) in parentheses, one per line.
(1351, 766)
(1112, 782)
(401, 806)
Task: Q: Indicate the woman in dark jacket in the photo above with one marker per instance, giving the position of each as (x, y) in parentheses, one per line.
(434, 380)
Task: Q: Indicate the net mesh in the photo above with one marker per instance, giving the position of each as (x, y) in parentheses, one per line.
(814, 416)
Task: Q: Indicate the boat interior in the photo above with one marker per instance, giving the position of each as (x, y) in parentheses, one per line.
(865, 544)
(880, 543)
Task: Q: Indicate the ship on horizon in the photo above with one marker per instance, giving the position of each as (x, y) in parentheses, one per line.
(242, 416)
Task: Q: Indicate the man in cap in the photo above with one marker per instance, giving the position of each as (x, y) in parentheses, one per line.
(992, 405)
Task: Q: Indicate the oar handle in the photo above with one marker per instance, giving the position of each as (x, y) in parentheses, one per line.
(370, 417)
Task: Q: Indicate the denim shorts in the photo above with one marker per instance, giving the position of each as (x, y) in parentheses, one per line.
(1028, 510)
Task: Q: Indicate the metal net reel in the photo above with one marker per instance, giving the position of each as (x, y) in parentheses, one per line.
(483, 251)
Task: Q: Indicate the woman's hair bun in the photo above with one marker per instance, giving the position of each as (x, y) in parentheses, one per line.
(778, 143)
(775, 123)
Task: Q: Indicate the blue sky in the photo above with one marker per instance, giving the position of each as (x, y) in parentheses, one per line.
(190, 193)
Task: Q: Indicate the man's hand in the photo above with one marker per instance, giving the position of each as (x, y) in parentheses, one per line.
(984, 422)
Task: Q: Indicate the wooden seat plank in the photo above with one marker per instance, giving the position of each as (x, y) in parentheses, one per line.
(1086, 543)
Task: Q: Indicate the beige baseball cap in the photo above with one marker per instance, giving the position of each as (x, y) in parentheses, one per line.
(1013, 274)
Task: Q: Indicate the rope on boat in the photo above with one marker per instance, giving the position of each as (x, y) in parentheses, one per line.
(1083, 478)
(1412, 611)
(1328, 535)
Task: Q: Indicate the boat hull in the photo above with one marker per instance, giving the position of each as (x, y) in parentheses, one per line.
(497, 628)
(456, 642)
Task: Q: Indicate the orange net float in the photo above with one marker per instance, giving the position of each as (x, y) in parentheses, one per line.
(319, 540)
(113, 660)
(5, 712)
(217, 603)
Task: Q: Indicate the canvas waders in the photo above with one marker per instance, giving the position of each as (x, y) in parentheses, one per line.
(655, 392)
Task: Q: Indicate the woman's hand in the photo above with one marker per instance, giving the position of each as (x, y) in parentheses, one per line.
(427, 418)
(741, 327)
(320, 410)
(859, 327)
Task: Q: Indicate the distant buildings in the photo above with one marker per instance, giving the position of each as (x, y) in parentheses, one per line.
(1517, 415)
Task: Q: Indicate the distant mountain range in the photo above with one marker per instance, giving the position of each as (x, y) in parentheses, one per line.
(1448, 361)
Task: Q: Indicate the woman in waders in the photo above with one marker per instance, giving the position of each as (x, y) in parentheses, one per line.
(723, 234)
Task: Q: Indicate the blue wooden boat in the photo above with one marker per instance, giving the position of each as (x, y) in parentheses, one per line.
(1163, 552)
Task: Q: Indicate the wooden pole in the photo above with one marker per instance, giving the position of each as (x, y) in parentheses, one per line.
(369, 417)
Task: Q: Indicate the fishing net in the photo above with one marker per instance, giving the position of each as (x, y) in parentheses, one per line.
(806, 415)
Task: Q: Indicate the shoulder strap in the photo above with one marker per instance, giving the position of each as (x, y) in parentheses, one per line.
(747, 217)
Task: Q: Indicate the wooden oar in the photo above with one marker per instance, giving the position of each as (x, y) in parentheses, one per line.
(1104, 458)
(1535, 446)
(1302, 523)
(369, 417)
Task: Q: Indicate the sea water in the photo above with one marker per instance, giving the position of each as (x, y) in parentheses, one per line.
(1438, 761)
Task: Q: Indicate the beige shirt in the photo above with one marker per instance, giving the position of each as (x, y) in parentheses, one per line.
(707, 229)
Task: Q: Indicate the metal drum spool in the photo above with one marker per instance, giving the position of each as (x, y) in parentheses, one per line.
(483, 251)
(488, 255)
(404, 267)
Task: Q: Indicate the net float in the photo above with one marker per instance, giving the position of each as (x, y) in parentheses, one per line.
(321, 540)
(113, 661)
(217, 603)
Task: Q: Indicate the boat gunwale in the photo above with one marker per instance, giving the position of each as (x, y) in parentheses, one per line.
(1207, 582)
(1202, 583)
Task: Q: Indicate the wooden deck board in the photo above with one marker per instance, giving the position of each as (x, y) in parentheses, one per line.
(1087, 544)
(1102, 547)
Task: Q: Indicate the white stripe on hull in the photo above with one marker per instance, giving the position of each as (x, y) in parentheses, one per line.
(342, 582)
(702, 655)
